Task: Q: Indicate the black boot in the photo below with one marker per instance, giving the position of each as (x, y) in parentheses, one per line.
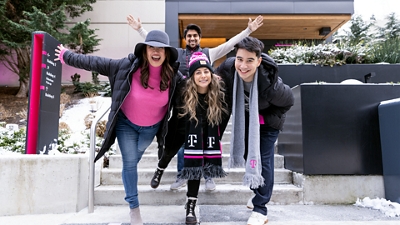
(190, 214)
(155, 181)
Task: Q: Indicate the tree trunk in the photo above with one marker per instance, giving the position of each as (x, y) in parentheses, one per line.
(23, 89)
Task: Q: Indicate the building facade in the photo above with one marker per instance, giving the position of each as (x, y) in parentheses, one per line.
(222, 19)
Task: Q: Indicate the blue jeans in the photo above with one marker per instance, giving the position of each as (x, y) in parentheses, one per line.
(181, 160)
(133, 141)
(268, 136)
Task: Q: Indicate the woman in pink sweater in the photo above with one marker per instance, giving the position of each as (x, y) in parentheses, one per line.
(142, 85)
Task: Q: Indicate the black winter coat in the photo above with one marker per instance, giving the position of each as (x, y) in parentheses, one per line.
(274, 99)
(119, 73)
(177, 125)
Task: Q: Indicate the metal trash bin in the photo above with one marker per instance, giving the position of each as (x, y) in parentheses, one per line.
(389, 124)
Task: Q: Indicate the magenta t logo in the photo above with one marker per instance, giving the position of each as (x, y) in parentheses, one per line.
(253, 163)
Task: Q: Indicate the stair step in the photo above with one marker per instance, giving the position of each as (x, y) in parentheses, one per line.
(225, 194)
(150, 161)
(114, 177)
(229, 190)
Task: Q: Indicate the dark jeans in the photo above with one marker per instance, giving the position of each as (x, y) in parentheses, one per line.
(268, 136)
(181, 160)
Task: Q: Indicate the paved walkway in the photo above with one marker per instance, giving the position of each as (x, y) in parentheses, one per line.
(213, 215)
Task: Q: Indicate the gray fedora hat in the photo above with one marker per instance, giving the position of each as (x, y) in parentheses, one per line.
(157, 38)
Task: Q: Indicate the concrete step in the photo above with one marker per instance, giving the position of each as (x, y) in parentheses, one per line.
(150, 161)
(235, 176)
(226, 137)
(225, 194)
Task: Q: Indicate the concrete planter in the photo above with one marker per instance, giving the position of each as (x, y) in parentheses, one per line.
(333, 129)
(333, 189)
(293, 75)
(42, 184)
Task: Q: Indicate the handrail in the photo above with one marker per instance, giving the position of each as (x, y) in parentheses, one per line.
(91, 159)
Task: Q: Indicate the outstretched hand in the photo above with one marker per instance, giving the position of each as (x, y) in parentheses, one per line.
(58, 50)
(255, 24)
(135, 24)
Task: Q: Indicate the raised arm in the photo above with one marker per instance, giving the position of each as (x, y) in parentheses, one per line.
(137, 25)
(225, 48)
(102, 65)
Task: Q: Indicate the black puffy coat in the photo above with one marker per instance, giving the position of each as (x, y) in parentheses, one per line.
(274, 99)
(177, 125)
(119, 73)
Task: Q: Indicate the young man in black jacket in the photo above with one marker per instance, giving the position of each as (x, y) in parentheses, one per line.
(259, 100)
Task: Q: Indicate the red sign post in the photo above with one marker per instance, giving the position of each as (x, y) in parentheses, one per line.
(44, 95)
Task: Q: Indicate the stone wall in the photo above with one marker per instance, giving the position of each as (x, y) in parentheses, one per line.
(42, 184)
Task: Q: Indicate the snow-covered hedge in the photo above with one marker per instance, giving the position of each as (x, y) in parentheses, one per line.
(364, 42)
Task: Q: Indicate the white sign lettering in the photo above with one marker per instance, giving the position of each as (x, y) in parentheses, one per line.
(192, 140)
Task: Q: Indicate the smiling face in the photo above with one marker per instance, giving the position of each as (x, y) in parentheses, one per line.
(202, 78)
(192, 38)
(155, 55)
(246, 64)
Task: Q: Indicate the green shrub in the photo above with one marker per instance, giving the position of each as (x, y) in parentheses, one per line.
(387, 51)
(13, 141)
(91, 88)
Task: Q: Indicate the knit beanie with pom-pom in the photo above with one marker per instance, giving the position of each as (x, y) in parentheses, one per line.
(197, 60)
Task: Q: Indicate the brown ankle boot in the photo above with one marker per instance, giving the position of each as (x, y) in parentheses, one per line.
(136, 219)
(190, 214)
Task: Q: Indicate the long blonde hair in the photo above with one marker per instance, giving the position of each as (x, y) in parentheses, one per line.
(215, 99)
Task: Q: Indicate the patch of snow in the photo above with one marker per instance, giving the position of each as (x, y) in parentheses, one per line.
(390, 209)
(75, 117)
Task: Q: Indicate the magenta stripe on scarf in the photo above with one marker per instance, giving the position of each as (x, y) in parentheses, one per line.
(261, 119)
(193, 157)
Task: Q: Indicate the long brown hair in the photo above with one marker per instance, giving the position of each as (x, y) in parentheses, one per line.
(215, 99)
(166, 72)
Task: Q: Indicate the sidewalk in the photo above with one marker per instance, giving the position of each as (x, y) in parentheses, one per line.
(213, 215)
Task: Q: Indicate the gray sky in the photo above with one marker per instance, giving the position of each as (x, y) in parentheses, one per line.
(379, 8)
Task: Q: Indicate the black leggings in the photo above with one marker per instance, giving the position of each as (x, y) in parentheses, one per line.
(193, 187)
(173, 142)
(167, 156)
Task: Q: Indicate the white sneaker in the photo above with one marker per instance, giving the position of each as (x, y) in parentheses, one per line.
(250, 203)
(179, 183)
(257, 219)
(210, 185)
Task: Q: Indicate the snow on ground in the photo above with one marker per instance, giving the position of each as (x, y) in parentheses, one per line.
(390, 209)
(75, 116)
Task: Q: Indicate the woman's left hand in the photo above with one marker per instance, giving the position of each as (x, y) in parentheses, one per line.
(58, 50)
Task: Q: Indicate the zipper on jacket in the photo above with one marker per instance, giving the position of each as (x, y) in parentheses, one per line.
(130, 88)
(169, 111)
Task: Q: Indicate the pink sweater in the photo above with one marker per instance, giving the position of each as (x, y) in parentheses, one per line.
(146, 107)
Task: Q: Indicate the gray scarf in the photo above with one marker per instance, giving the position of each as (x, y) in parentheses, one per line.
(252, 177)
